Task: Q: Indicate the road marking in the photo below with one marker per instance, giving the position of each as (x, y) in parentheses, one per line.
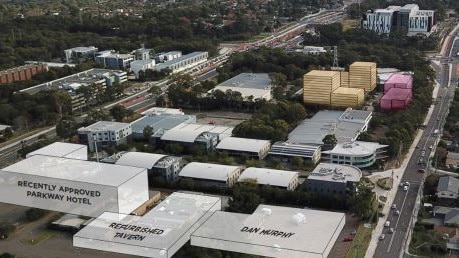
(398, 218)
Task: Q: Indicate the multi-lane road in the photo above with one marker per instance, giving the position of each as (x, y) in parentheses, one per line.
(406, 202)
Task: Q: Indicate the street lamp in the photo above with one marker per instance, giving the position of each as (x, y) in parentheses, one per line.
(94, 137)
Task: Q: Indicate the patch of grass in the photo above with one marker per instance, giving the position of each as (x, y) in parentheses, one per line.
(360, 243)
(427, 243)
(350, 24)
(385, 183)
(41, 237)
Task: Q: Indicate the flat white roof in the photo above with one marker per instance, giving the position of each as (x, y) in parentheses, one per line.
(105, 126)
(63, 149)
(357, 148)
(159, 233)
(335, 173)
(139, 159)
(208, 171)
(265, 176)
(162, 110)
(243, 144)
(74, 170)
(272, 231)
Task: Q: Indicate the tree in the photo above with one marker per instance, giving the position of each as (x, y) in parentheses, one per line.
(6, 228)
(118, 112)
(6, 255)
(174, 148)
(330, 139)
(245, 199)
(361, 201)
(297, 161)
(66, 128)
(187, 183)
(8, 133)
(147, 132)
(34, 214)
(63, 102)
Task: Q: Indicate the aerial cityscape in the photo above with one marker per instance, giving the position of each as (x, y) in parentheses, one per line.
(229, 129)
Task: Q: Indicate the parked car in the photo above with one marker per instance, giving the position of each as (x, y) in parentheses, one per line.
(348, 239)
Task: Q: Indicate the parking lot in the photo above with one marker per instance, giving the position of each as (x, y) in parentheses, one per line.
(341, 246)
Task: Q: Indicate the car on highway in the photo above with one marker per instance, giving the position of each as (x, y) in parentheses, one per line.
(391, 230)
(397, 212)
(405, 188)
(382, 236)
(394, 206)
(430, 147)
(421, 170)
(387, 223)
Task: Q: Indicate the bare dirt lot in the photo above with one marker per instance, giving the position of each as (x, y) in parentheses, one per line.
(220, 117)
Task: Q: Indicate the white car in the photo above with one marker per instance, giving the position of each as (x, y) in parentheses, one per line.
(397, 212)
(387, 223)
(405, 188)
(394, 206)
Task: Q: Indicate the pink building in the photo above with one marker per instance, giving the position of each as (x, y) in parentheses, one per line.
(396, 99)
(403, 81)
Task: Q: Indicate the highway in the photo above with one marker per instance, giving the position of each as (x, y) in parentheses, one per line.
(407, 202)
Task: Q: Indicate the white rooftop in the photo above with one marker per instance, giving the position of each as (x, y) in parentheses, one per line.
(355, 148)
(346, 126)
(105, 126)
(208, 171)
(139, 159)
(189, 132)
(335, 172)
(242, 144)
(63, 149)
(74, 170)
(3, 127)
(161, 110)
(159, 233)
(272, 231)
(265, 176)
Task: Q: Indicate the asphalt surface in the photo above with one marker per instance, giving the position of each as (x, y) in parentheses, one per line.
(394, 243)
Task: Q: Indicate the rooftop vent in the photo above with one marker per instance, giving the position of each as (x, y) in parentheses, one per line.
(299, 218)
(266, 211)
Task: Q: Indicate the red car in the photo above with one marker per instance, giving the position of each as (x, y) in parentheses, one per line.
(348, 239)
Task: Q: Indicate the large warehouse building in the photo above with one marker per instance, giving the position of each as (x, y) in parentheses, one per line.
(73, 186)
(319, 85)
(250, 85)
(272, 231)
(362, 75)
(278, 178)
(211, 175)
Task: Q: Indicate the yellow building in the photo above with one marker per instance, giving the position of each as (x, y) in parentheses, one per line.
(362, 75)
(347, 97)
(345, 79)
(318, 86)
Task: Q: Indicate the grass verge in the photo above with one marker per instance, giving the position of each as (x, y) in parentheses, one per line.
(360, 243)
